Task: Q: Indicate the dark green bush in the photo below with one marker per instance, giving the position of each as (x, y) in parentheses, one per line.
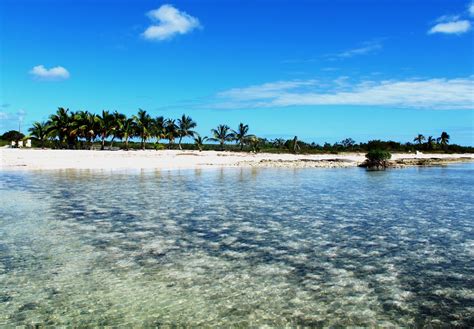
(13, 135)
(377, 158)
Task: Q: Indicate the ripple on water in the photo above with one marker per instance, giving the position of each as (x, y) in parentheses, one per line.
(239, 247)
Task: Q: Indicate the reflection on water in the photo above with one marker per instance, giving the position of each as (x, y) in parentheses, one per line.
(240, 247)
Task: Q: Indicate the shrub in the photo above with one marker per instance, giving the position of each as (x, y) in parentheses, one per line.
(377, 159)
(159, 146)
(13, 135)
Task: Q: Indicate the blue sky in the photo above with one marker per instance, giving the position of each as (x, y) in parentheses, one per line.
(322, 70)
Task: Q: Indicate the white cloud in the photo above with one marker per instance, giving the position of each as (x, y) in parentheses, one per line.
(54, 73)
(452, 27)
(453, 24)
(420, 94)
(447, 18)
(168, 22)
(366, 48)
(10, 120)
(266, 90)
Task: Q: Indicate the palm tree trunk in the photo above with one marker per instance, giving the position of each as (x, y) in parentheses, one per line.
(126, 143)
(143, 143)
(112, 141)
(102, 147)
(179, 142)
(71, 143)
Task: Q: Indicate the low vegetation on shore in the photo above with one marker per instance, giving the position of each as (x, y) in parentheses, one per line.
(66, 129)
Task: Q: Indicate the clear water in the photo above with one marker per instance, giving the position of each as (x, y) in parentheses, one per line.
(238, 247)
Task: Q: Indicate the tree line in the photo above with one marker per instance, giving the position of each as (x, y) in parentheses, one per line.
(87, 130)
(432, 143)
(82, 129)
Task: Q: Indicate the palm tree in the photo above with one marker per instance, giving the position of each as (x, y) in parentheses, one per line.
(116, 126)
(144, 124)
(59, 124)
(199, 141)
(86, 125)
(221, 135)
(159, 129)
(254, 142)
(39, 130)
(419, 139)
(106, 124)
(76, 127)
(92, 128)
(430, 142)
(73, 132)
(127, 130)
(171, 131)
(443, 139)
(185, 126)
(240, 135)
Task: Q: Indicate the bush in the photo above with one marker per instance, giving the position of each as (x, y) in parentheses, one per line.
(159, 146)
(13, 135)
(377, 159)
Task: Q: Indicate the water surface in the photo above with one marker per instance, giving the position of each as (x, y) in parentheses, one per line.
(238, 247)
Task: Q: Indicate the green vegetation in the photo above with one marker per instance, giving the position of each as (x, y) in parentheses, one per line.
(12, 136)
(199, 141)
(185, 126)
(86, 130)
(377, 159)
(221, 134)
(39, 130)
(144, 126)
(419, 139)
(241, 135)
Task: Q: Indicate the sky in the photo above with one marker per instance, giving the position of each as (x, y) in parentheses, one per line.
(321, 70)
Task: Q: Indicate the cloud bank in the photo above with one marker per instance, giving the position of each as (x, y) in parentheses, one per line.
(169, 22)
(442, 94)
(54, 73)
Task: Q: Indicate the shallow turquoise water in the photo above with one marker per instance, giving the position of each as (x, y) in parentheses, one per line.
(238, 247)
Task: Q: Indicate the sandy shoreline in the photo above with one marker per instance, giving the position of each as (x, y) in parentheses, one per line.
(37, 159)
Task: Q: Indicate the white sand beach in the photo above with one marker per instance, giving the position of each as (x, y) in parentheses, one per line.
(38, 159)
